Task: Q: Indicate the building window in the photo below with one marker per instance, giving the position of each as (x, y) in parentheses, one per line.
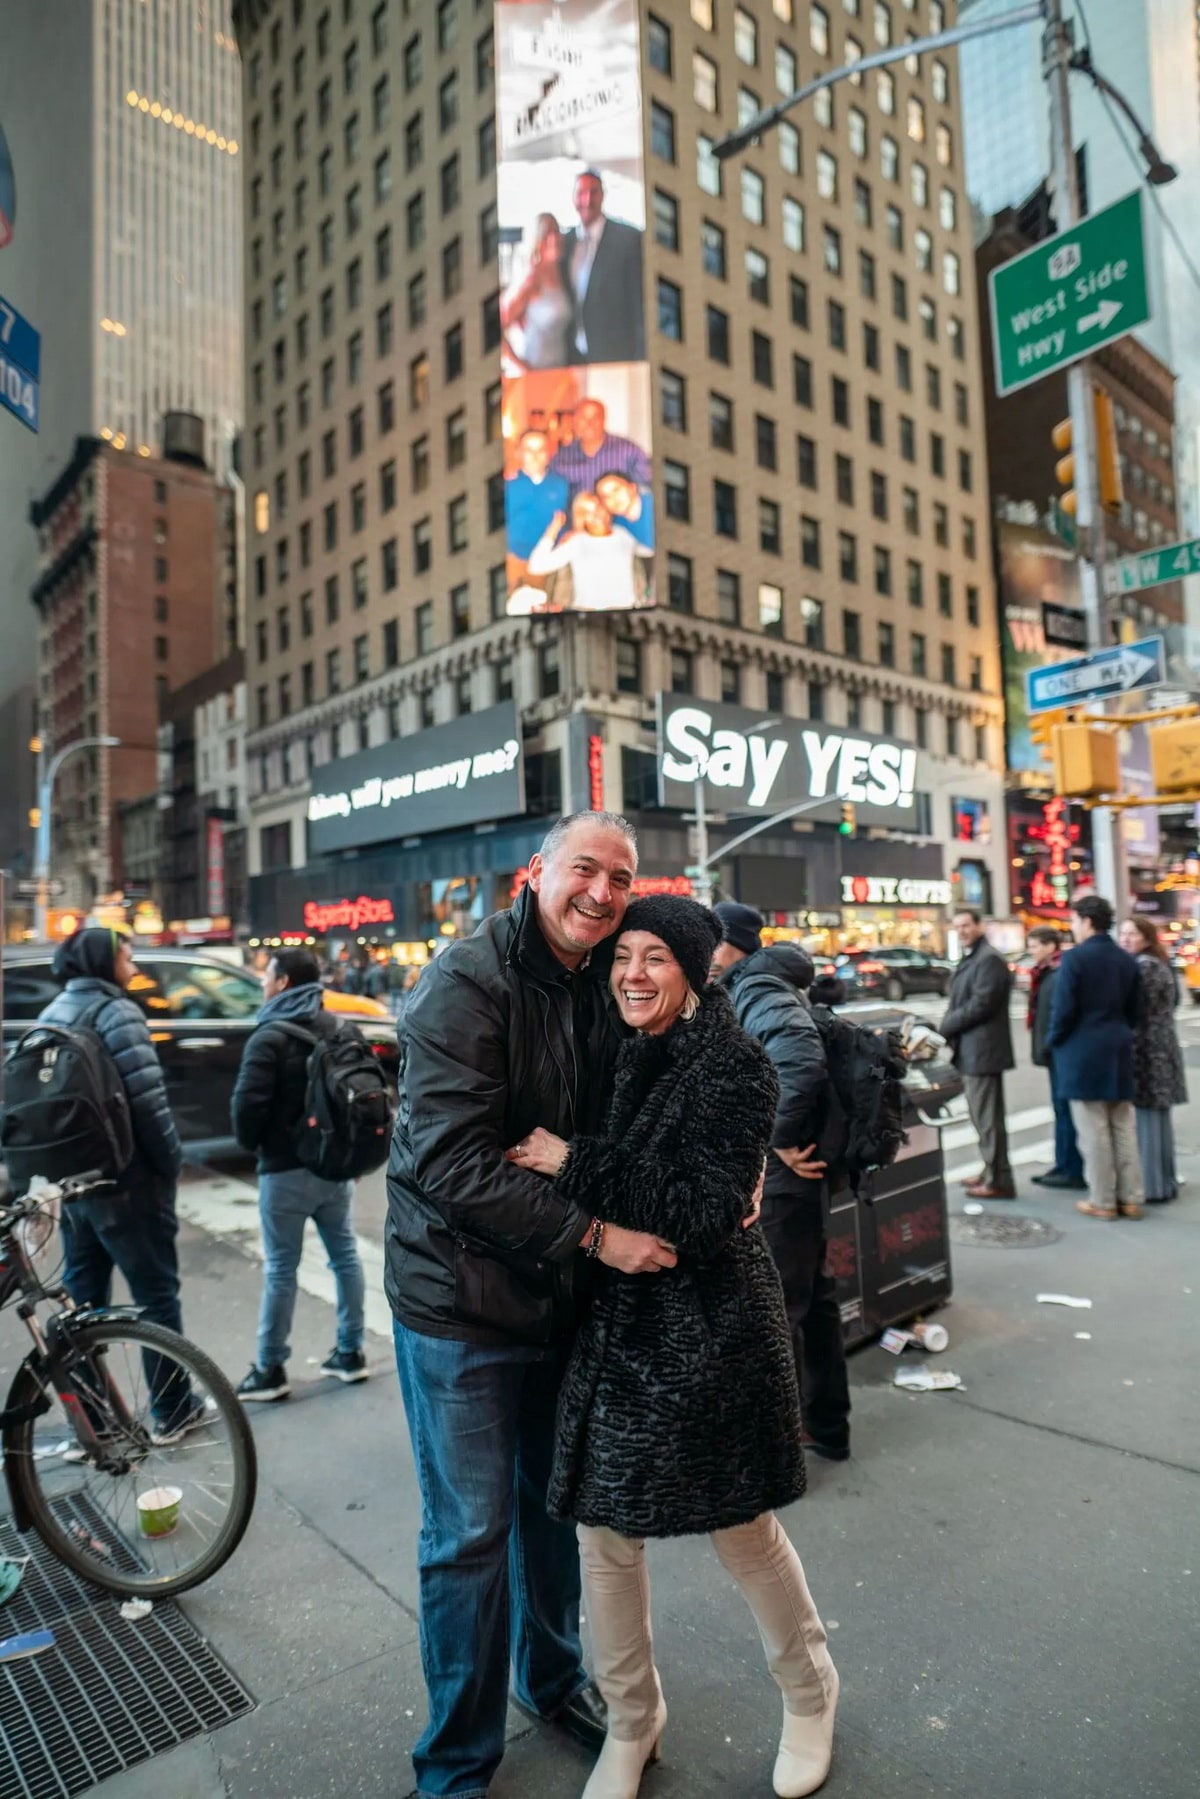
(844, 479)
(802, 381)
(716, 324)
(745, 37)
(833, 250)
(666, 220)
(422, 542)
(629, 665)
(724, 509)
(720, 421)
(852, 635)
(424, 625)
(460, 610)
(770, 539)
(789, 147)
(677, 491)
(549, 670)
(729, 597)
(658, 44)
(793, 225)
(914, 581)
(456, 523)
(704, 83)
(871, 353)
(673, 400)
(662, 131)
(758, 277)
(679, 583)
(670, 309)
(848, 556)
(806, 462)
(765, 442)
(712, 250)
(682, 671)
(754, 197)
(762, 360)
(918, 654)
(887, 645)
(810, 542)
(840, 396)
(883, 571)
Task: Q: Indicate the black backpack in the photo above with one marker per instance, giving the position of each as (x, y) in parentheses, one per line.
(346, 1126)
(66, 1111)
(863, 1128)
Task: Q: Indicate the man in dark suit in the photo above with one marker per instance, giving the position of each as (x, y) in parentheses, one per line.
(1092, 1020)
(602, 270)
(978, 1032)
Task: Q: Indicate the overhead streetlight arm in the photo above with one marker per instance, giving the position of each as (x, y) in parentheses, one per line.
(736, 141)
(1159, 169)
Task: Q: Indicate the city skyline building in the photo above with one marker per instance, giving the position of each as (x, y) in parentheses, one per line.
(813, 459)
(125, 254)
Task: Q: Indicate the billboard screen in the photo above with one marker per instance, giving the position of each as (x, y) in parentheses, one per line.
(1036, 568)
(462, 773)
(576, 404)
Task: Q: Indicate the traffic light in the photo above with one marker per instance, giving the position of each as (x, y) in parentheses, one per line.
(35, 817)
(849, 822)
(1108, 456)
(1175, 756)
(1064, 469)
(1085, 760)
(1041, 731)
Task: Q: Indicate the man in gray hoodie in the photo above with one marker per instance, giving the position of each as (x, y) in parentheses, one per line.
(268, 1104)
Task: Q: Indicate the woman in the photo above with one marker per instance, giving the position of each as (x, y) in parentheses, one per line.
(541, 308)
(656, 1437)
(1158, 1078)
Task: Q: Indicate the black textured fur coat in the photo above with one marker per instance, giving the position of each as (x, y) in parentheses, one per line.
(679, 1412)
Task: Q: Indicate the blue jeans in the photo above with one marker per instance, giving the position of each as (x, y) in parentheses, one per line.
(285, 1204)
(1067, 1159)
(135, 1232)
(499, 1578)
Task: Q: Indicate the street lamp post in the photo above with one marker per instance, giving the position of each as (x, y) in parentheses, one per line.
(41, 854)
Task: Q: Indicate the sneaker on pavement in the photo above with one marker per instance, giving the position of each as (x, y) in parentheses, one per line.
(263, 1384)
(347, 1365)
(202, 1413)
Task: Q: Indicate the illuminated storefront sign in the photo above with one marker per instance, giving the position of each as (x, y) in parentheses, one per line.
(758, 761)
(455, 774)
(321, 916)
(884, 890)
(596, 773)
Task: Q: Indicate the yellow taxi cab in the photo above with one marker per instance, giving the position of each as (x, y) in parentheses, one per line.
(356, 1004)
(1189, 956)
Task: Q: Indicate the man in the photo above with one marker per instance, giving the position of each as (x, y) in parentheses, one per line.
(133, 1229)
(1045, 946)
(1092, 1022)
(767, 987)
(631, 507)
(597, 452)
(511, 1028)
(268, 1104)
(532, 496)
(978, 1032)
(602, 270)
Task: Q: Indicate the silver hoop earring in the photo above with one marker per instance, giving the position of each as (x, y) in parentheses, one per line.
(690, 1007)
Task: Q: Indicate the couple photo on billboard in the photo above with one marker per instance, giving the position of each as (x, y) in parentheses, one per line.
(576, 400)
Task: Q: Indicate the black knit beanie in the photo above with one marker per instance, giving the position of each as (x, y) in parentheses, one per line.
(690, 931)
(741, 925)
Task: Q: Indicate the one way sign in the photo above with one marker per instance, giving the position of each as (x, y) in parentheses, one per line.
(1120, 670)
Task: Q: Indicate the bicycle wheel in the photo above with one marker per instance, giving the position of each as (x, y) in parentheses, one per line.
(163, 1500)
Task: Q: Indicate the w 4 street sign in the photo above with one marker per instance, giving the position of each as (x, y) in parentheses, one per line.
(1132, 573)
(1061, 300)
(20, 366)
(1098, 677)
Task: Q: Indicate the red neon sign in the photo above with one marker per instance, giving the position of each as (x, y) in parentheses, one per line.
(596, 772)
(346, 914)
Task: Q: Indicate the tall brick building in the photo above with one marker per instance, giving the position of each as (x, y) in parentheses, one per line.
(135, 594)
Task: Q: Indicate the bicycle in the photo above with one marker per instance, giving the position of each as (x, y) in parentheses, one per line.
(125, 1448)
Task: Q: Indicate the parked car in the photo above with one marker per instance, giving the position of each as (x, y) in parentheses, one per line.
(895, 973)
(200, 1011)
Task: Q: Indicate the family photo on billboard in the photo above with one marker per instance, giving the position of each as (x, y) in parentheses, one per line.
(576, 385)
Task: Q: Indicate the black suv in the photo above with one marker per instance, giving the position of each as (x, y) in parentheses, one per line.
(200, 1010)
(895, 972)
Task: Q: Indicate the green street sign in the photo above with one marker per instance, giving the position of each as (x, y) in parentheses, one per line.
(1133, 573)
(1058, 302)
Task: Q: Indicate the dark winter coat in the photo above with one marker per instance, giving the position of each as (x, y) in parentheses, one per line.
(768, 999)
(121, 1026)
(1158, 1077)
(1041, 1003)
(497, 1037)
(976, 1026)
(268, 1098)
(679, 1411)
(1092, 1020)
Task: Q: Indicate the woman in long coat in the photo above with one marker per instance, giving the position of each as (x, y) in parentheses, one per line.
(679, 1413)
(1158, 1077)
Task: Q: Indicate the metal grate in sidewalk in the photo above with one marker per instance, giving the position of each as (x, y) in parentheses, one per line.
(109, 1694)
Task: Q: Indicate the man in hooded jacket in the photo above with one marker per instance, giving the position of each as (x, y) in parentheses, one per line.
(133, 1228)
(768, 989)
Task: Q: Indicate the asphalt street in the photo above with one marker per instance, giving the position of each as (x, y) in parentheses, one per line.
(1009, 1572)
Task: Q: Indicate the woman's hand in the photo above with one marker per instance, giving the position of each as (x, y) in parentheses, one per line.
(801, 1162)
(756, 1199)
(541, 1152)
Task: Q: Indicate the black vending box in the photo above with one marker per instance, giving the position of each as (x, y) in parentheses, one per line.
(889, 1249)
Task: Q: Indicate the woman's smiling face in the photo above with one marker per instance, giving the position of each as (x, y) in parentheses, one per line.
(647, 982)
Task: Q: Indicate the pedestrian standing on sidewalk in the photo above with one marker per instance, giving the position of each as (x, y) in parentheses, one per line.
(509, 1029)
(978, 1031)
(268, 1105)
(768, 987)
(1092, 1020)
(1158, 1078)
(1045, 945)
(655, 1435)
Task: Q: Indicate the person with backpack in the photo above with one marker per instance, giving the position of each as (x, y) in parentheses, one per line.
(131, 1226)
(272, 1115)
(768, 987)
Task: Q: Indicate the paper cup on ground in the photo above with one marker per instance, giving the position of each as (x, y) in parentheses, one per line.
(933, 1337)
(158, 1511)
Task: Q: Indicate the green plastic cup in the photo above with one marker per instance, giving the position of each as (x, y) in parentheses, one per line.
(158, 1511)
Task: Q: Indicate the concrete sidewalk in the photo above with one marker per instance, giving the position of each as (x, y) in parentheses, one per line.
(1009, 1573)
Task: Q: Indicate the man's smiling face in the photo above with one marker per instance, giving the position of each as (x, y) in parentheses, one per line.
(583, 889)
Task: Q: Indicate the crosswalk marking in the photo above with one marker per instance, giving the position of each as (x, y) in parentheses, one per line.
(228, 1208)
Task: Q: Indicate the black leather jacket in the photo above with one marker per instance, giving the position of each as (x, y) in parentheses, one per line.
(497, 1037)
(770, 1005)
(121, 1025)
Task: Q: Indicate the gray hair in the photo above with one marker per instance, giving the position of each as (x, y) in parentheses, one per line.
(556, 836)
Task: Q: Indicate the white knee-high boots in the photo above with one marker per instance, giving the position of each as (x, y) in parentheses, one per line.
(617, 1593)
